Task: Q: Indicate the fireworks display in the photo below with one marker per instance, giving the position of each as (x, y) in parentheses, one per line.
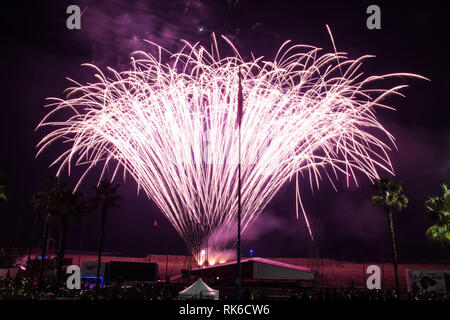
(170, 122)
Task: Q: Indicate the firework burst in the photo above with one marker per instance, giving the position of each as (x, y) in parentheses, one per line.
(170, 122)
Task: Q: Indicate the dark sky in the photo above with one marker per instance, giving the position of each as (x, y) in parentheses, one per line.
(39, 52)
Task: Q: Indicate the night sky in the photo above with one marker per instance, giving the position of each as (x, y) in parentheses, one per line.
(39, 52)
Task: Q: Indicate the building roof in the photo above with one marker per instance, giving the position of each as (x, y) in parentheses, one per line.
(256, 268)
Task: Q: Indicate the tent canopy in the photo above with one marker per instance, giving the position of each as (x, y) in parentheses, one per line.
(199, 290)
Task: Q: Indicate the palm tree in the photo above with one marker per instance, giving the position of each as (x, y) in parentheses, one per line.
(46, 202)
(388, 195)
(70, 204)
(58, 202)
(107, 198)
(438, 212)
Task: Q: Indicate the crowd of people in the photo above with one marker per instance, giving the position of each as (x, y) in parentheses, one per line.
(26, 287)
(362, 294)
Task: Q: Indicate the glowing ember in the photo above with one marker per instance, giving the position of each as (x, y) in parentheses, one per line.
(172, 127)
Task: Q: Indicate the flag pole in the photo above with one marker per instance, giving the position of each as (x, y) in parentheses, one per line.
(239, 118)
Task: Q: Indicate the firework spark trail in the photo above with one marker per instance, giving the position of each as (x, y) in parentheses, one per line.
(171, 126)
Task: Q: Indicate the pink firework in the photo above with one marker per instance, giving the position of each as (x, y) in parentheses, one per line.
(170, 122)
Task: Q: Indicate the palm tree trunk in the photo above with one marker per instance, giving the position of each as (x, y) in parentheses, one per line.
(44, 251)
(31, 244)
(62, 248)
(394, 250)
(100, 248)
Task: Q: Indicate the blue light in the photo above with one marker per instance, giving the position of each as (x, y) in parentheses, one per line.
(101, 278)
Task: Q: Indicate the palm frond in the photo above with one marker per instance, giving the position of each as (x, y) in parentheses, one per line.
(437, 210)
(388, 194)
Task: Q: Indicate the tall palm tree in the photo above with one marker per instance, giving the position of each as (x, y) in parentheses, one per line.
(438, 212)
(46, 201)
(58, 202)
(70, 205)
(389, 195)
(107, 198)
